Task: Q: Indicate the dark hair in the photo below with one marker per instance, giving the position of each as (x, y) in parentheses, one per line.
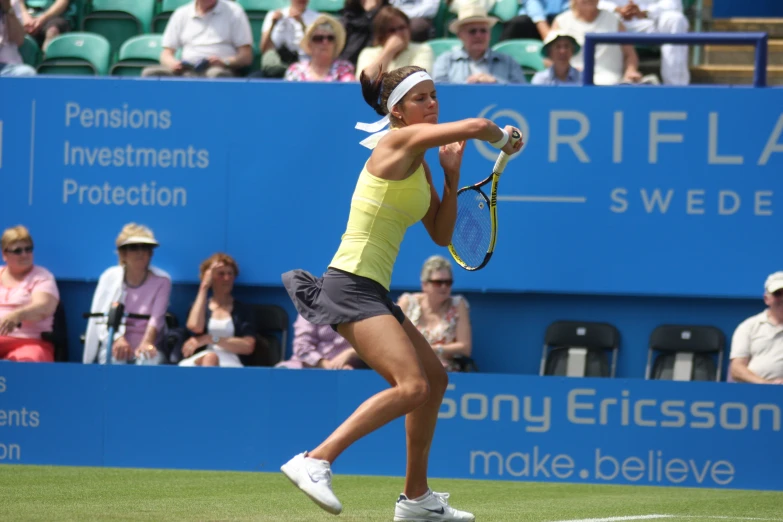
(376, 91)
(380, 24)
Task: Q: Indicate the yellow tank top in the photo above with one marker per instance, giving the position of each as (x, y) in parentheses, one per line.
(381, 212)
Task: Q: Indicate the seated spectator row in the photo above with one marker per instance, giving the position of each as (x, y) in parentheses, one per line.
(300, 41)
(222, 331)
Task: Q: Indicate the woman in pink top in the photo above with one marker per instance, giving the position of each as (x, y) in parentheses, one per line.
(442, 318)
(28, 299)
(323, 42)
(144, 290)
(320, 347)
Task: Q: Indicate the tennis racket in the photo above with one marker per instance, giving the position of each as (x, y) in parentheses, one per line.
(475, 230)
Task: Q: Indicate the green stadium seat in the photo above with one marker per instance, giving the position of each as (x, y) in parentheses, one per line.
(167, 7)
(527, 53)
(442, 45)
(31, 53)
(77, 54)
(327, 6)
(505, 10)
(119, 20)
(136, 54)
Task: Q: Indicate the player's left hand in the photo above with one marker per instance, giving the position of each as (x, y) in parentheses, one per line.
(451, 160)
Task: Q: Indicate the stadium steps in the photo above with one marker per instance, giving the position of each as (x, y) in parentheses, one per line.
(742, 54)
(733, 64)
(733, 74)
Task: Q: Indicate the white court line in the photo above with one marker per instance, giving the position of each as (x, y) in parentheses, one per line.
(544, 199)
(650, 517)
(32, 153)
(612, 519)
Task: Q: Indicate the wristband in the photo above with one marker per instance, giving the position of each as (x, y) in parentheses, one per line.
(502, 141)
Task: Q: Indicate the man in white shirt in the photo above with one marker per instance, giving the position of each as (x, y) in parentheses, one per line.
(215, 39)
(657, 16)
(281, 35)
(757, 344)
(11, 38)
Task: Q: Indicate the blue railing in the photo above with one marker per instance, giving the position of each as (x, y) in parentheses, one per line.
(759, 40)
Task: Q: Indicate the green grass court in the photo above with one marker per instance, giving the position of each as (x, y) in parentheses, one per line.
(86, 494)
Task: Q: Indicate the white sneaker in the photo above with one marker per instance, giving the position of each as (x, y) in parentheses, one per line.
(434, 506)
(314, 478)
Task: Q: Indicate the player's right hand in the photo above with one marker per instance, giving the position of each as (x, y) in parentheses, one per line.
(515, 142)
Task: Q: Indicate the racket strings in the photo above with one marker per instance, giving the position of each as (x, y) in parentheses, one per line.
(473, 228)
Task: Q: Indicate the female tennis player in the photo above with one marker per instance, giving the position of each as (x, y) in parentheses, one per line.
(394, 191)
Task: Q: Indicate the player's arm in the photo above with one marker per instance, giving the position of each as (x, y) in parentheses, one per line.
(416, 139)
(423, 136)
(442, 214)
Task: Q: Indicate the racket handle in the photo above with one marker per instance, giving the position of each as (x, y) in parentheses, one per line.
(500, 164)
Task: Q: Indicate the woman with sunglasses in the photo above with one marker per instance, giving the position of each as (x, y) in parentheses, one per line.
(393, 47)
(475, 62)
(28, 300)
(143, 289)
(323, 42)
(443, 319)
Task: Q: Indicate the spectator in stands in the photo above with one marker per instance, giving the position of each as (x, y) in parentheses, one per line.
(28, 300)
(757, 344)
(281, 36)
(393, 47)
(220, 328)
(614, 64)
(357, 18)
(559, 48)
(320, 347)
(46, 22)
(215, 39)
(143, 289)
(657, 16)
(421, 14)
(443, 319)
(534, 20)
(11, 38)
(475, 62)
(323, 41)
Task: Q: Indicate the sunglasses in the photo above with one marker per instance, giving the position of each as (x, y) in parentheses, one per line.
(477, 30)
(778, 293)
(137, 248)
(19, 251)
(441, 282)
(319, 38)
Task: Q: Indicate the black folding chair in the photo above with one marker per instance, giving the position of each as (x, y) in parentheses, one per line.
(580, 349)
(685, 353)
(272, 326)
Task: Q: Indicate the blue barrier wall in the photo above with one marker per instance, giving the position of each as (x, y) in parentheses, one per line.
(634, 206)
(491, 427)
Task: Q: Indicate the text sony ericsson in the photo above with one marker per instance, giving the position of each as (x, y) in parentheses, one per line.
(584, 407)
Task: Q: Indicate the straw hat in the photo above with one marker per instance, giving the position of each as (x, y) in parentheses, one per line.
(471, 13)
(139, 240)
(554, 35)
(336, 28)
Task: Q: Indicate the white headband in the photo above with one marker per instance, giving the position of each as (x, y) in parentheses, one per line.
(397, 94)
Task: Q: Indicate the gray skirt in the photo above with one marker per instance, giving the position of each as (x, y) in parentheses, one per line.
(338, 297)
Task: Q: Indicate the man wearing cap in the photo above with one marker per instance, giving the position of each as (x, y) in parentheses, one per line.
(757, 344)
(475, 62)
(558, 47)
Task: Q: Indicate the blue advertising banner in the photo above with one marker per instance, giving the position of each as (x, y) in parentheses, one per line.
(666, 191)
(499, 427)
